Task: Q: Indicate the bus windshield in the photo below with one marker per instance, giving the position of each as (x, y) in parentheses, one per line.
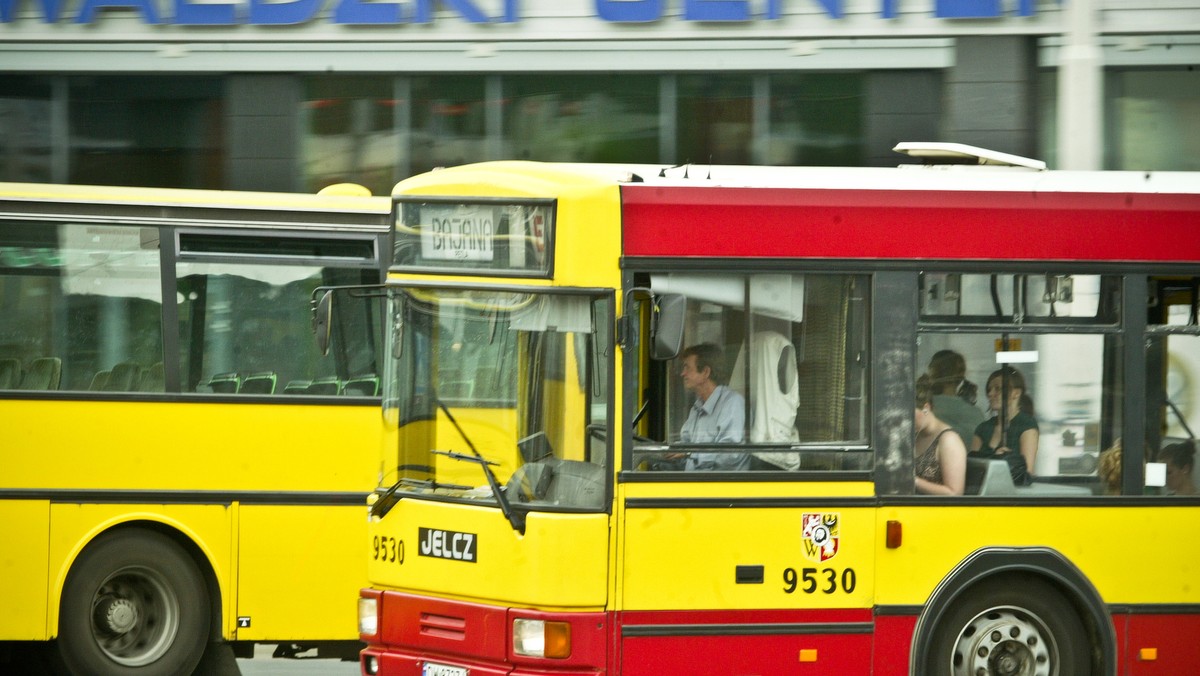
(515, 382)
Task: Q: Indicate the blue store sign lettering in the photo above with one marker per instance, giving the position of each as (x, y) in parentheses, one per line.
(375, 12)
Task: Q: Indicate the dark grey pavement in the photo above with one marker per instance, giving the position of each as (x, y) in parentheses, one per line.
(263, 665)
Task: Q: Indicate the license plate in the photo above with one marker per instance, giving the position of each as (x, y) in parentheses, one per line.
(433, 669)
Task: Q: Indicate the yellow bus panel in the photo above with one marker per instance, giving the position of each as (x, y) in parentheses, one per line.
(25, 531)
(282, 550)
(507, 566)
(1151, 555)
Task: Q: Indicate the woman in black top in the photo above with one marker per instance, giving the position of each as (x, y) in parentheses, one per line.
(1020, 429)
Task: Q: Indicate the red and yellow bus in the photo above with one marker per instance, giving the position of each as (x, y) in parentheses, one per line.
(564, 507)
(177, 459)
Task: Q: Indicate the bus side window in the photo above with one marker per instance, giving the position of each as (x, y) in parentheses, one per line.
(97, 284)
(245, 329)
(1049, 415)
(793, 347)
(1173, 400)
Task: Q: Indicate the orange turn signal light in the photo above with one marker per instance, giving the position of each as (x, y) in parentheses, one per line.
(895, 534)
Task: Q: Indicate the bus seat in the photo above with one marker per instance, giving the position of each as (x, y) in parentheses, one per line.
(43, 374)
(362, 386)
(224, 383)
(297, 387)
(489, 380)
(327, 386)
(258, 383)
(457, 389)
(577, 483)
(774, 395)
(123, 378)
(99, 380)
(560, 482)
(152, 379)
(988, 477)
(10, 373)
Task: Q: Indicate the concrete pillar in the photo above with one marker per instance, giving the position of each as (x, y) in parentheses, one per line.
(990, 94)
(901, 106)
(263, 134)
(1080, 90)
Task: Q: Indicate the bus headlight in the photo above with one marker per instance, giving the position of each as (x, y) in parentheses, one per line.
(368, 618)
(539, 638)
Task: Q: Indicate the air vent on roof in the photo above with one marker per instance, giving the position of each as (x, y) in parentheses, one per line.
(960, 153)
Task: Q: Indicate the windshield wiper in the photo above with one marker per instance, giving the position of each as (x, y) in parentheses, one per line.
(388, 499)
(516, 518)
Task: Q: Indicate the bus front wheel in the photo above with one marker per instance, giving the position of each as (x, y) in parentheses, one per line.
(134, 603)
(1010, 627)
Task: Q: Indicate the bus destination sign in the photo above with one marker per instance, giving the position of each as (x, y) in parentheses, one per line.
(458, 232)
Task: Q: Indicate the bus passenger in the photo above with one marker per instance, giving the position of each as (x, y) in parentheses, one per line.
(1179, 458)
(953, 394)
(1014, 407)
(718, 414)
(1109, 468)
(941, 469)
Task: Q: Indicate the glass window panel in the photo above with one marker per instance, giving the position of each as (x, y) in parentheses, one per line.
(715, 119)
(1174, 300)
(449, 121)
(1156, 118)
(817, 119)
(1044, 298)
(1173, 407)
(1047, 419)
(82, 305)
(582, 118)
(147, 131)
(25, 119)
(1153, 118)
(351, 133)
(247, 328)
(484, 237)
(771, 360)
(539, 422)
(472, 357)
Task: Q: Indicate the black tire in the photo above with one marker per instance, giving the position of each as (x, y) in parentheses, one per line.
(134, 604)
(1010, 627)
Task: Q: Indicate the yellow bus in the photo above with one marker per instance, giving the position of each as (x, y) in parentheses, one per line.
(696, 451)
(180, 470)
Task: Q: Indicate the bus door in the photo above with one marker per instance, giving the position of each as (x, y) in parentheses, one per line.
(746, 488)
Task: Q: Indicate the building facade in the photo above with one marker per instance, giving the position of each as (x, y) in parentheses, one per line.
(298, 94)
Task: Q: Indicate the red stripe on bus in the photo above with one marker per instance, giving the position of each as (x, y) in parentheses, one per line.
(746, 642)
(1157, 644)
(801, 223)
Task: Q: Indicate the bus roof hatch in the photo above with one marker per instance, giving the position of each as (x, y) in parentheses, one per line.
(960, 153)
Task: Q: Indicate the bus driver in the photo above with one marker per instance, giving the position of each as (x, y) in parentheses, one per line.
(718, 414)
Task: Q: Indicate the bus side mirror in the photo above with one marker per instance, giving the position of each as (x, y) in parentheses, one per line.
(666, 325)
(322, 309)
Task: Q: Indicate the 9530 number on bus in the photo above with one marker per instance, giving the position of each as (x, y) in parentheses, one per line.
(387, 549)
(819, 580)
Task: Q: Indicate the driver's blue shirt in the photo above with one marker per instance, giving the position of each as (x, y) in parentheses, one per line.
(720, 420)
